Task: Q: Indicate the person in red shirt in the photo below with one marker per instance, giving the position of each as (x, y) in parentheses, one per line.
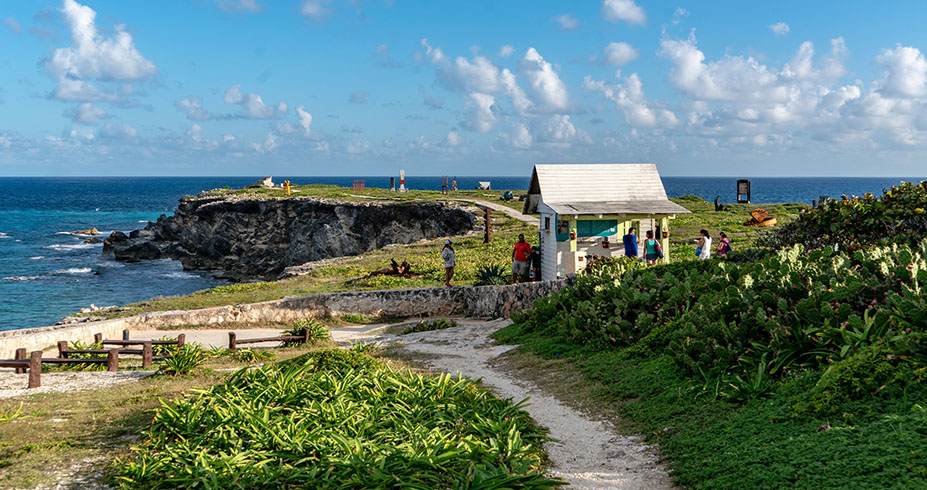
(520, 259)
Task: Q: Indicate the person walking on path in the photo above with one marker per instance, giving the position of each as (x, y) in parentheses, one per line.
(630, 243)
(520, 259)
(724, 245)
(449, 261)
(704, 245)
(653, 250)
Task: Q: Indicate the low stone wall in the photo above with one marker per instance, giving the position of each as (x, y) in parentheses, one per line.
(471, 301)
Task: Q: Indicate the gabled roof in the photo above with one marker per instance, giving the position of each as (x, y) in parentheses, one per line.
(600, 188)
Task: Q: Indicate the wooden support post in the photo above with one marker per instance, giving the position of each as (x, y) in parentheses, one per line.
(147, 354)
(112, 360)
(572, 235)
(125, 335)
(63, 349)
(35, 369)
(20, 355)
(306, 335)
(232, 341)
(181, 338)
(487, 234)
(664, 242)
(97, 338)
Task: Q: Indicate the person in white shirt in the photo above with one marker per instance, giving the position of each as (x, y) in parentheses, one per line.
(704, 244)
(449, 261)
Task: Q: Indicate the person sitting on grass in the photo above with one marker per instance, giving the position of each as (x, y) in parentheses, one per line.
(449, 261)
(724, 245)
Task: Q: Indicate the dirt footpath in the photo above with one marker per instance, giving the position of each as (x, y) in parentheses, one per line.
(587, 453)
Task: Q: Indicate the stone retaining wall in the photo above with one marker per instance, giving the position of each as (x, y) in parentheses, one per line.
(470, 301)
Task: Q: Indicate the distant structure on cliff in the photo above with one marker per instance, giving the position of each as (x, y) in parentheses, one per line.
(586, 209)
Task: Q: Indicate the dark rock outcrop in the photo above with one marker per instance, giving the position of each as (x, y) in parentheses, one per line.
(248, 238)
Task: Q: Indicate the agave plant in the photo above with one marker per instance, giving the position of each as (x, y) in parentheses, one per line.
(492, 275)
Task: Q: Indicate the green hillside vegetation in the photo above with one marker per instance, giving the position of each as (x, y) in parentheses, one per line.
(337, 419)
(796, 368)
(348, 273)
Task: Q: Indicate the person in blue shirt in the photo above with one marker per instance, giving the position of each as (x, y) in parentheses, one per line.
(630, 243)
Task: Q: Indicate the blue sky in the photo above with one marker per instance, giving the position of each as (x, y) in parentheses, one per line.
(329, 87)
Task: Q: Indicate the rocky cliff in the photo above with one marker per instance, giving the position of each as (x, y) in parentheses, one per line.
(247, 238)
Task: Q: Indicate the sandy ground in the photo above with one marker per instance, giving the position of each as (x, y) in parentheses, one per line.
(587, 453)
(13, 385)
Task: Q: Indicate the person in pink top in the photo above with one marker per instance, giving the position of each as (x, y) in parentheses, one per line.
(724, 245)
(520, 259)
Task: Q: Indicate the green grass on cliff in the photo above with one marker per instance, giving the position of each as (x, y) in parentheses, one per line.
(372, 194)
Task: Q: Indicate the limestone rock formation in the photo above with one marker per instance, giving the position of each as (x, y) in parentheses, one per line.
(247, 238)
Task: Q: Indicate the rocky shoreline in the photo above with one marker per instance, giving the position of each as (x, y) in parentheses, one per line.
(247, 238)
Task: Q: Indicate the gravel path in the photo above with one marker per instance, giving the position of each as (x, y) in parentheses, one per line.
(531, 220)
(587, 453)
(12, 385)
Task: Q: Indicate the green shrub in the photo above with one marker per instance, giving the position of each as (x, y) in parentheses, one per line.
(252, 355)
(492, 275)
(426, 326)
(897, 216)
(318, 332)
(332, 421)
(183, 360)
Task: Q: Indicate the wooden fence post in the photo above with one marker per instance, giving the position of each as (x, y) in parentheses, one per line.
(181, 339)
(232, 341)
(125, 334)
(112, 360)
(487, 232)
(63, 349)
(97, 338)
(21, 355)
(306, 335)
(147, 354)
(35, 369)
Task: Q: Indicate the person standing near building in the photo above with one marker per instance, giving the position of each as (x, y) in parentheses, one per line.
(653, 251)
(449, 261)
(520, 259)
(630, 243)
(535, 261)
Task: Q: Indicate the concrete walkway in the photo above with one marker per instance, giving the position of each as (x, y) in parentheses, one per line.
(531, 220)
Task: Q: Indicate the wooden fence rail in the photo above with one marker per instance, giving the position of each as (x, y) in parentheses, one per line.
(234, 341)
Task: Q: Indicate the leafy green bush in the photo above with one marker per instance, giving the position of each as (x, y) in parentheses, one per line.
(749, 323)
(492, 275)
(80, 345)
(318, 332)
(331, 421)
(183, 360)
(426, 326)
(897, 216)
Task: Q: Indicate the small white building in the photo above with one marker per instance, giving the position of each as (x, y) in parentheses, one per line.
(586, 209)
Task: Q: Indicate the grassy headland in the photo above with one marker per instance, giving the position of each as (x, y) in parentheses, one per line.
(348, 273)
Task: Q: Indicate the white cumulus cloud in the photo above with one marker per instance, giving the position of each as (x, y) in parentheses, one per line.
(96, 57)
(780, 28)
(906, 72)
(86, 113)
(316, 10)
(617, 54)
(545, 85)
(567, 22)
(253, 105)
(506, 50)
(623, 10)
(629, 98)
(305, 119)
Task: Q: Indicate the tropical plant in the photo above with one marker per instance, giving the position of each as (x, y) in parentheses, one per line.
(318, 332)
(366, 347)
(425, 326)
(183, 360)
(338, 420)
(252, 355)
(492, 275)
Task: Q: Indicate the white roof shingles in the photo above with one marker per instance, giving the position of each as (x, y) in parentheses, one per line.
(613, 188)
